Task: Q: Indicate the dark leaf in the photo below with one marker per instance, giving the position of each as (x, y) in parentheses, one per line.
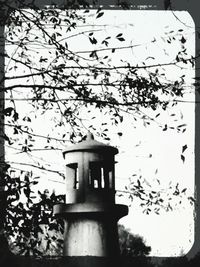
(93, 40)
(184, 148)
(26, 118)
(119, 35)
(15, 131)
(183, 158)
(5, 137)
(98, 10)
(192, 199)
(165, 128)
(121, 39)
(182, 125)
(16, 116)
(8, 111)
(100, 15)
(183, 40)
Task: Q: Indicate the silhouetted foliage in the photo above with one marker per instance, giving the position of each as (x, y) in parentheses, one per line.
(131, 245)
(32, 230)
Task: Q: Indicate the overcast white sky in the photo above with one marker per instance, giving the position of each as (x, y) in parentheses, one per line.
(169, 233)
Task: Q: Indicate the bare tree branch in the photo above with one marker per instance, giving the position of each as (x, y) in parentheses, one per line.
(37, 167)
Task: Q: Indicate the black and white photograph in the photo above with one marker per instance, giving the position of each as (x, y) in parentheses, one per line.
(99, 104)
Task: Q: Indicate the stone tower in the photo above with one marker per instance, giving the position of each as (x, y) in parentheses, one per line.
(90, 212)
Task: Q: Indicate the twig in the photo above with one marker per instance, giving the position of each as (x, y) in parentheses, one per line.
(37, 167)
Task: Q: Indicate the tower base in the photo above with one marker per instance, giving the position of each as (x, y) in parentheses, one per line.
(91, 229)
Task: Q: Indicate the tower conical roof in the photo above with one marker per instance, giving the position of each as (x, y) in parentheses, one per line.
(90, 144)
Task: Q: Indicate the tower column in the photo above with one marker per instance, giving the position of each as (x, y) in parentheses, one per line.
(90, 212)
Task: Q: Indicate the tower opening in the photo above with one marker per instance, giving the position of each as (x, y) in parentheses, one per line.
(72, 176)
(100, 176)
